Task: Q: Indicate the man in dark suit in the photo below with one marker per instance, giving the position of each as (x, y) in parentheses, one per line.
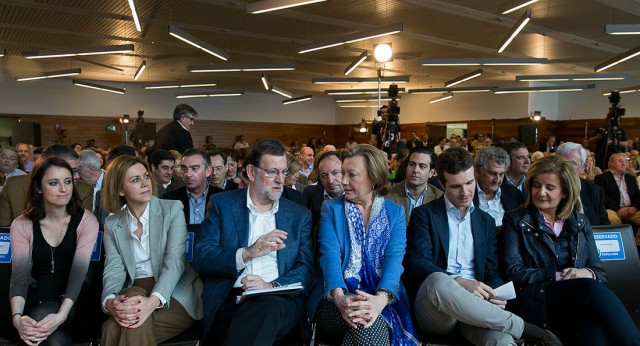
(219, 171)
(252, 238)
(519, 165)
(492, 196)
(330, 185)
(591, 195)
(197, 191)
(451, 264)
(621, 194)
(549, 147)
(414, 141)
(175, 135)
(162, 164)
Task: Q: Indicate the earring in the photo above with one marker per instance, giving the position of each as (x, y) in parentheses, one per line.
(121, 193)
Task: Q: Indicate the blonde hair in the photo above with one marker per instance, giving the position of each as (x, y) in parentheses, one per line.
(114, 177)
(569, 180)
(375, 163)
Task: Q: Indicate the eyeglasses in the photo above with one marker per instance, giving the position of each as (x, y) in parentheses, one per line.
(190, 118)
(274, 172)
(10, 158)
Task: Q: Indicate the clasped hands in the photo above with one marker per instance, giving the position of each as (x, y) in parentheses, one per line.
(32, 332)
(627, 211)
(360, 308)
(481, 290)
(132, 312)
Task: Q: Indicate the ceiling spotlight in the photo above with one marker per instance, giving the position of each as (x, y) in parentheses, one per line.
(382, 52)
(125, 119)
(363, 126)
(536, 116)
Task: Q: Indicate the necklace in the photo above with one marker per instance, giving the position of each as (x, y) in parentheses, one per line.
(53, 261)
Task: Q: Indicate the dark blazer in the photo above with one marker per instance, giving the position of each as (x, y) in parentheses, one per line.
(428, 246)
(181, 195)
(173, 137)
(524, 192)
(612, 192)
(226, 229)
(510, 197)
(530, 257)
(593, 203)
(230, 185)
(176, 183)
(315, 197)
(294, 196)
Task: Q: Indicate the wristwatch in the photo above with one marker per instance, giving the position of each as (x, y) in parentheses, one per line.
(390, 297)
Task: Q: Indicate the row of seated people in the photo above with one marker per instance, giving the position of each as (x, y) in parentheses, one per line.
(252, 238)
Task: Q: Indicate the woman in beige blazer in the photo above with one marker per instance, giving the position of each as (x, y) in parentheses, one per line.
(150, 291)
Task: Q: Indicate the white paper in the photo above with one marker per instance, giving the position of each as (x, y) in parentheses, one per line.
(505, 292)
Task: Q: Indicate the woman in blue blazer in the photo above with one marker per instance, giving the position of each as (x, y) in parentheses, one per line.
(362, 241)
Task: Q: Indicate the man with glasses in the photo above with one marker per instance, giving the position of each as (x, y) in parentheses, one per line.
(9, 159)
(175, 135)
(252, 238)
(14, 192)
(196, 170)
(330, 186)
(26, 156)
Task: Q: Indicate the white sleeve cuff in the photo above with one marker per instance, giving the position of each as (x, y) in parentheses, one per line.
(104, 302)
(240, 264)
(159, 296)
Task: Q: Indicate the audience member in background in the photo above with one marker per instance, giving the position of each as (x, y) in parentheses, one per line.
(252, 238)
(37, 152)
(362, 241)
(591, 195)
(634, 164)
(176, 135)
(549, 147)
(428, 142)
(195, 195)
(150, 291)
(311, 143)
(51, 248)
(91, 144)
(14, 192)
(414, 190)
(622, 197)
(219, 171)
(560, 284)
(382, 134)
(232, 166)
(121, 150)
(536, 155)
(208, 144)
(177, 159)
(395, 162)
(492, 196)
(63, 138)
(10, 163)
(291, 180)
(91, 173)
(414, 141)
(442, 146)
(329, 186)
(329, 147)
(452, 264)
(351, 143)
(100, 157)
(26, 156)
(77, 147)
(162, 165)
(519, 156)
(590, 169)
(306, 157)
(240, 143)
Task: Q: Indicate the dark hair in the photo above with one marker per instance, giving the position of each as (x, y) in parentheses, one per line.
(183, 109)
(220, 153)
(401, 173)
(160, 155)
(34, 208)
(326, 154)
(197, 152)
(37, 150)
(74, 145)
(453, 161)
(60, 151)
(264, 147)
(121, 150)
(513, 146)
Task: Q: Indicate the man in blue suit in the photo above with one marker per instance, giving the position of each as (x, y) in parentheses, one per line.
(252, 238)
(451, 265)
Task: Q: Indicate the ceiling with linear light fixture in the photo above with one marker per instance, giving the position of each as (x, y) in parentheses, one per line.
(569, 33)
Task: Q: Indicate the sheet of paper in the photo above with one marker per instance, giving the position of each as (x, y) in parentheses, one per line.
(505, 292)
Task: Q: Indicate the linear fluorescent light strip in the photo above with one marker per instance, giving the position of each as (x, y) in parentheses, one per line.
(274, 5)
(359, 91)
(359, 60)
(296, 99)
(242, 68)
(618, 59)
(358, 106)
(175, 86)
(361, 100)
(134, 14)
(520, 6)
(3, 52)
(464, 78)
(143, 65)
(526, 17)
(441, 98)
(543, 89)
(97, 86)
(282, 92)
(211, 94)
(114, 49)
(482, 61)
(567, 77)
(355, 37)
(352, 80)
(452, 90)
(625, 90)
(52, 74)
(264, 82)
(622, 29)
(198, 43)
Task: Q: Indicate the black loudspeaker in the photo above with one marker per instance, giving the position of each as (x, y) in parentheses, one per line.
(528, 134)
(26, 132)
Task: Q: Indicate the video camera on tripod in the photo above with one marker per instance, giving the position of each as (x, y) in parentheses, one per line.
(615, 113)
